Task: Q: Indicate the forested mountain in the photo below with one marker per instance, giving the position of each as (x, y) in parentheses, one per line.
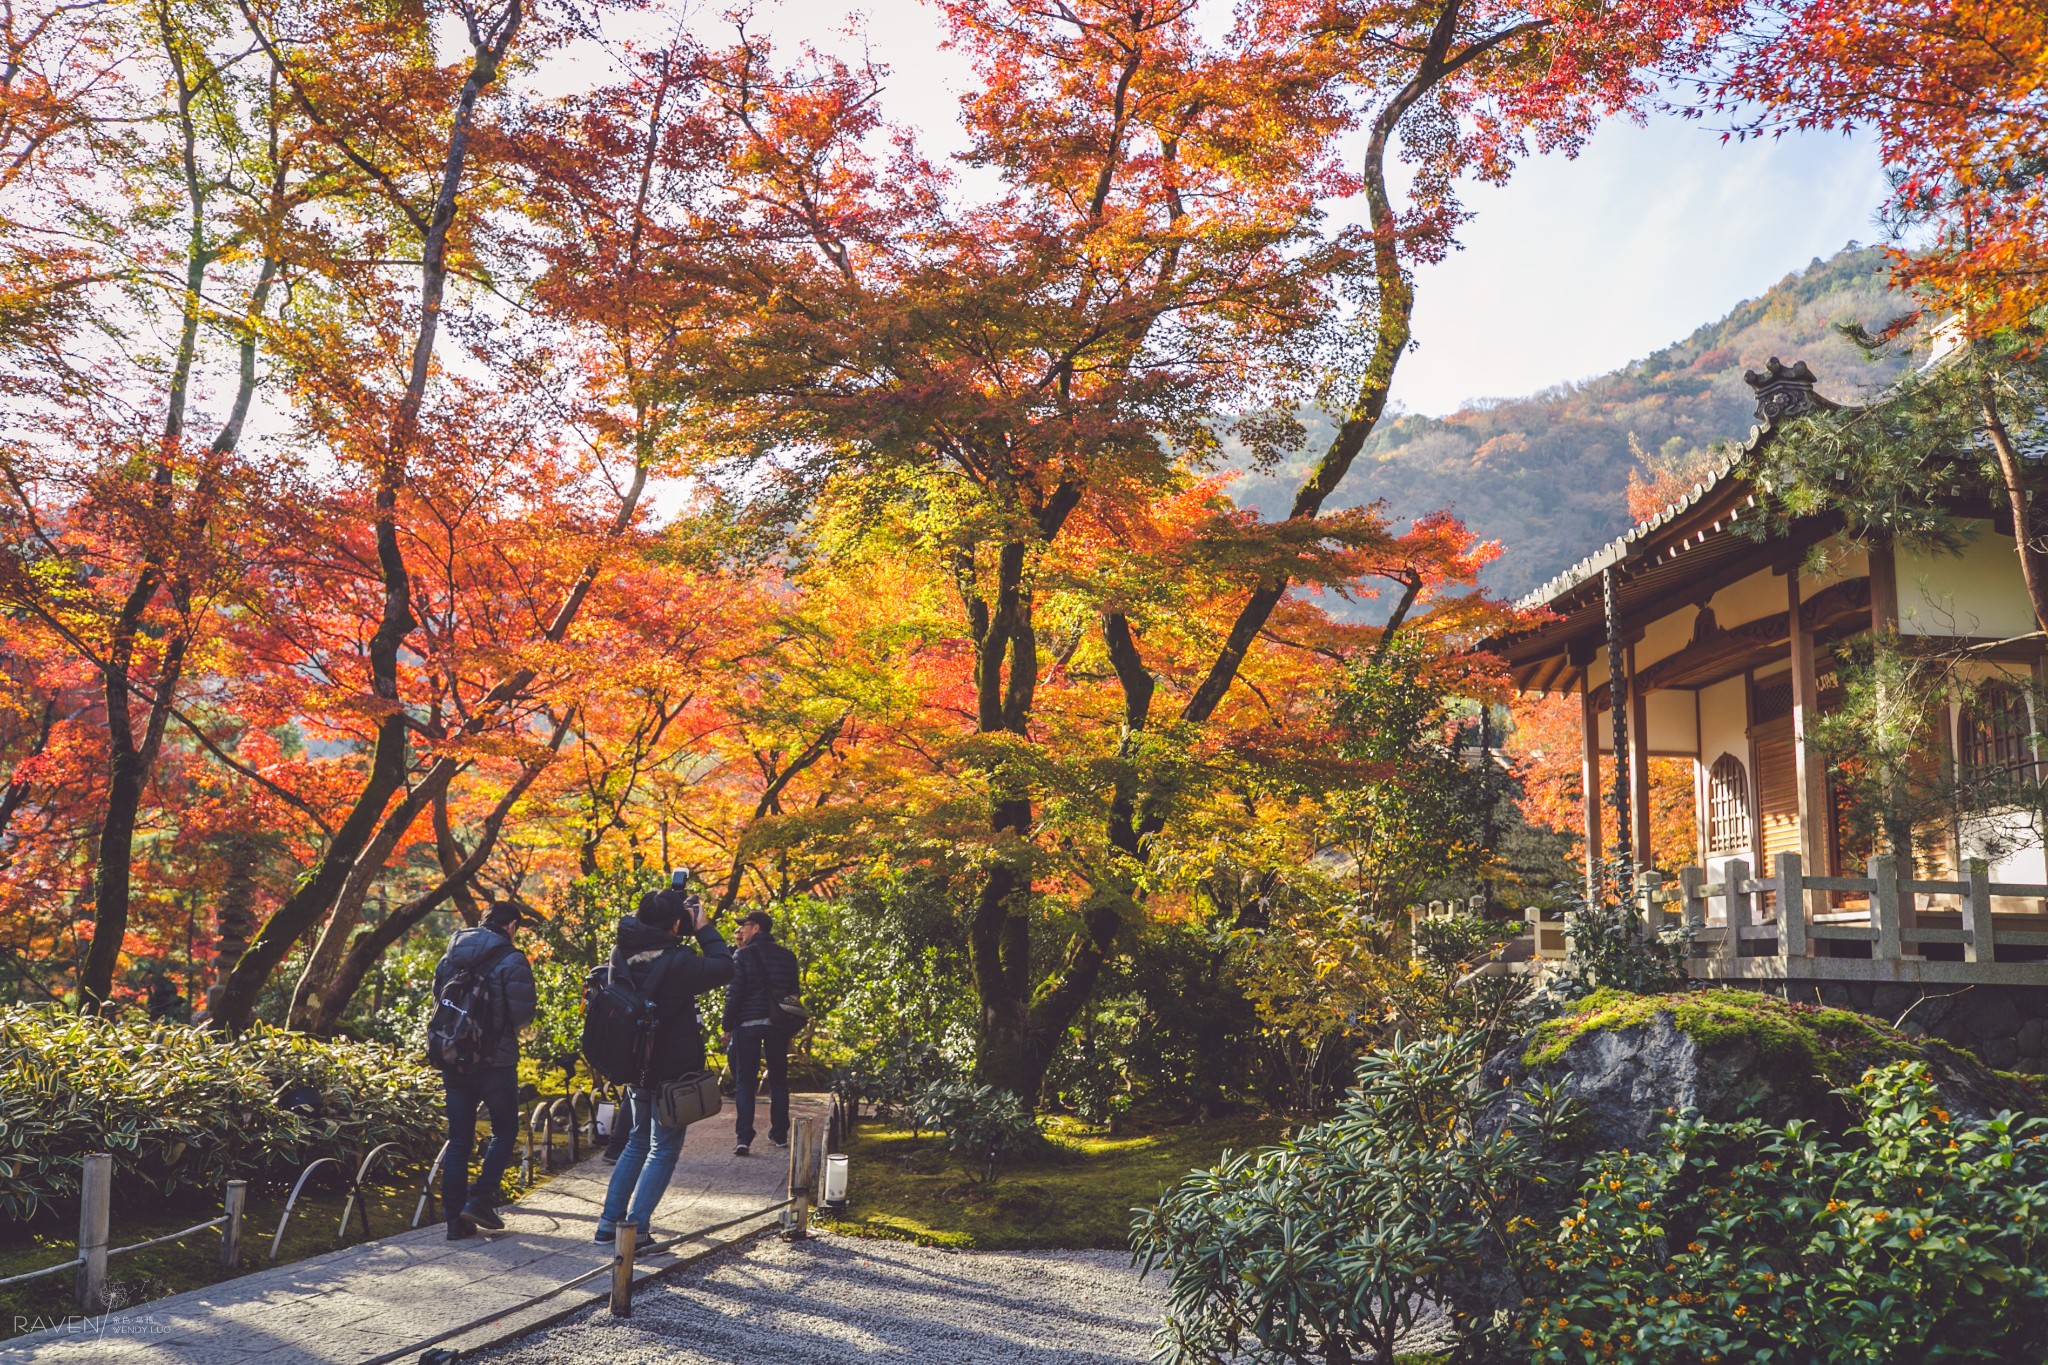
(1547, 475)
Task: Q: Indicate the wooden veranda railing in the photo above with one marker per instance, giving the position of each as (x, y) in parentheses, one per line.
(1807, 935)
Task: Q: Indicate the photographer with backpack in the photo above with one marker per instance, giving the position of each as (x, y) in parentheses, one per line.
(483, 994)
(643, 1024)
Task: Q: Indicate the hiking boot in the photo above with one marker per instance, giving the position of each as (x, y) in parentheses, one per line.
(740, 1150)
(483, 1215)
(459, 1229)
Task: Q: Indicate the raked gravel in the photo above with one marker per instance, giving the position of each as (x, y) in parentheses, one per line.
(839, 1300)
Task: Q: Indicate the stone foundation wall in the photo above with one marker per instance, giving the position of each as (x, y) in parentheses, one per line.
(2005, 1026)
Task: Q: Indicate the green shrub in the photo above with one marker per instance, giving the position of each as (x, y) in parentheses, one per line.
(1608, 947)
(1921, 1238)
(181, 1108)
(889, 1076)
(1325, 1248)
(981, 1123)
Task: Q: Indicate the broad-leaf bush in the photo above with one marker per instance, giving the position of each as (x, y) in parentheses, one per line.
(182, 1108)
(1325, 1248)
(1918, 1238)
(981, 1123)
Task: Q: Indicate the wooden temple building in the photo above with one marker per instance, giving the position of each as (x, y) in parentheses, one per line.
(1697, 636)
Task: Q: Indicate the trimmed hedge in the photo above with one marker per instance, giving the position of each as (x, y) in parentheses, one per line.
(183, 1108)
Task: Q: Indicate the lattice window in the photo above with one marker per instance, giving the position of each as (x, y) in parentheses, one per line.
(1998, 735)
(1728, 826)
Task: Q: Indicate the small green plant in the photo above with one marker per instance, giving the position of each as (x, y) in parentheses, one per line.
(1918, 1238)
(1610, 948)
(889, 1076)
(981, 1124)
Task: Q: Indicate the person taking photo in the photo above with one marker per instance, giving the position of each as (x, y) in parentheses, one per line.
(652, 953)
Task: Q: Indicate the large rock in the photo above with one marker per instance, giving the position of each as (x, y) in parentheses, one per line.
(1632, 1060)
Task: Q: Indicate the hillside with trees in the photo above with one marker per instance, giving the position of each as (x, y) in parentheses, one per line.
(1548, 475)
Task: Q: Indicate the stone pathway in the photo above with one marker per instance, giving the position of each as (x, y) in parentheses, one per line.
(362, 1302)
(854, 1301)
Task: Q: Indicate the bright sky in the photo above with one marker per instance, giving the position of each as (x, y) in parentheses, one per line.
(1572, 269)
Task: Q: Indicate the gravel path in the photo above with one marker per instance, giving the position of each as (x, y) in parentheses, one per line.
(839, 1300)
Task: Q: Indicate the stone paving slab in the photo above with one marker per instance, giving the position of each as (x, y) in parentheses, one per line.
(352, 1305)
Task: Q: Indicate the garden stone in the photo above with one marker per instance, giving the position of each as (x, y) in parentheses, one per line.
(2033, 1038)
(1993, 1015)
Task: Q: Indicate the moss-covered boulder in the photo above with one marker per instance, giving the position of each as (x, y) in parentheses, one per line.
(1633, 1059)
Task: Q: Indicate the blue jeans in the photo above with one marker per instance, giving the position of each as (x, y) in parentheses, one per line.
(640, 1176)
(497, 1089)
(749, 1043)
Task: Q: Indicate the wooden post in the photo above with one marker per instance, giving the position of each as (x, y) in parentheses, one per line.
(1792, 940)
(231, 1231)
(1810, 779)
(1692, 905)
(1884, 587)
(95, 1210)
(622, 1270)
(1589, 781)
(803, 1167)
(1736, 896)
(1652, 895)
(1884, 908)
(1639, 767)
(1980, 942)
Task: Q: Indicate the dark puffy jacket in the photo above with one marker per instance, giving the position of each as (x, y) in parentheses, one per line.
(512, 974)
(763, 972)
(679, 1037)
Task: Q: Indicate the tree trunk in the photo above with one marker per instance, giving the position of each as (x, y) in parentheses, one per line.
(329, 1004)
(2032, 570)
(308, 997)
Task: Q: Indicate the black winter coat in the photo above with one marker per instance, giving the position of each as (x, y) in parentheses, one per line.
(679, 1037)
(763, 972)
(512, 974)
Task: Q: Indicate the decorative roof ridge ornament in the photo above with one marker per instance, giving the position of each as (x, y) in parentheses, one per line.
(1784, 392)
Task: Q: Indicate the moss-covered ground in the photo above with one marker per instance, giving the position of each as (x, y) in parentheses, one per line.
(1077, 1193)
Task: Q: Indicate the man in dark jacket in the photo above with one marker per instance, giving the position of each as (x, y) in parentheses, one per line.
(675, 974)
(763, 974)
(496, 1084)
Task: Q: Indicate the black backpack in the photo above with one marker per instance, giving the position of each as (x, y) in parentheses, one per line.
(469, 1017)
(619, 1018)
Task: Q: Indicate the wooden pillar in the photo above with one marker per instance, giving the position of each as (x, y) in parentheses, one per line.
(95, 1207)
(1638, 766)
(1809, 773)
(1884, 588)
(1589, 780)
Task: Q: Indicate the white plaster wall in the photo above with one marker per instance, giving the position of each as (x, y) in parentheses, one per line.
(1978, 592)
(1672, 725)
(1672, 733)
(1750, 599)
(2022, 861)
(1666, 635)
